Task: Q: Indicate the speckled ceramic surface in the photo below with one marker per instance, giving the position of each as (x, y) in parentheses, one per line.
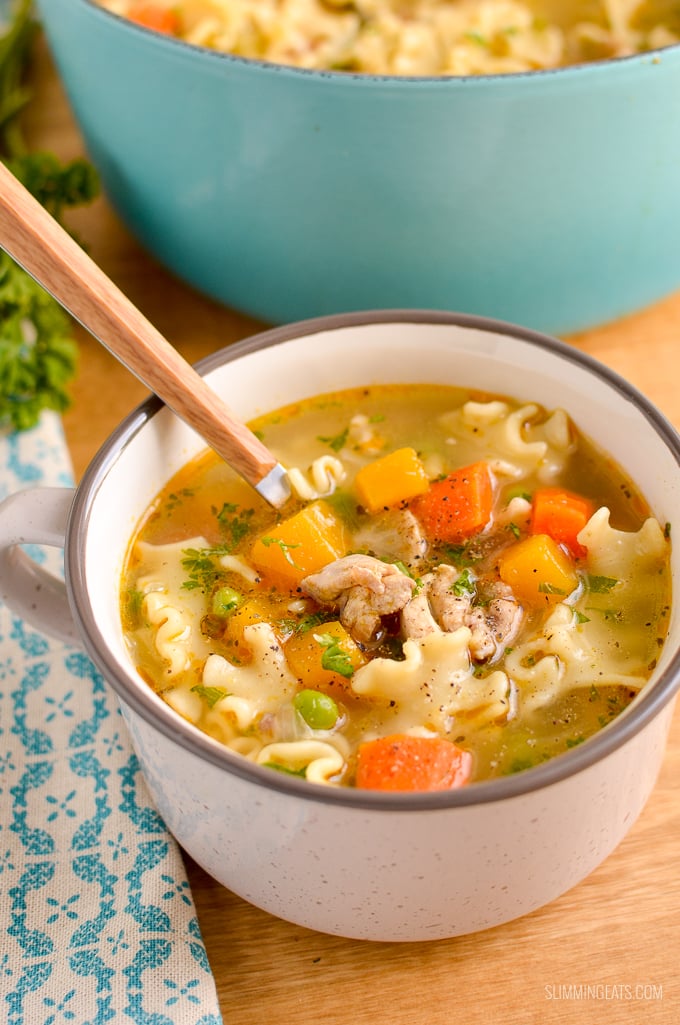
(365, 864)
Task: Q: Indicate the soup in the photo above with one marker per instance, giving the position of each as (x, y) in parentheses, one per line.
(460, 587)
(415, 37)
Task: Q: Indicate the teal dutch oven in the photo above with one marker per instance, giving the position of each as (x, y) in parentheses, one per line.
(550, 199)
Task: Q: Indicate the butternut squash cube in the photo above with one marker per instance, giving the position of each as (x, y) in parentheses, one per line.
(538, 571)
(255, 609)
(306, 653)
(300, 545)
(391, 479)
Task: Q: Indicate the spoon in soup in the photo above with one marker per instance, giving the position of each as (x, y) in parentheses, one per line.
(46, 251)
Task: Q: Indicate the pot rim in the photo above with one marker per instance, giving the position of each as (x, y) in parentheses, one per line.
(449, 81)
(138, 697)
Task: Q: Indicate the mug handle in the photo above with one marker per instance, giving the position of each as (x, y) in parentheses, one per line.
(36, 516)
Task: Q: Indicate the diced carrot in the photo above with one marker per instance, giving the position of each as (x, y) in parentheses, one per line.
(561, 514)
(457, 507)
(153, 16)
(307, 652)
(403, 762)
(300, 545)
(538, 570)
(393, 478)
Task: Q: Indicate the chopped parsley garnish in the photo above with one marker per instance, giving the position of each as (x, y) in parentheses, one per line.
(546, 588)
(337, 442)
(283, 545)
(334, 659)
(598, 584)
(211, 694)
(460, 555)
(201, 567)
(313, 620)
(175, 498)
(464, 586)
(234, 521)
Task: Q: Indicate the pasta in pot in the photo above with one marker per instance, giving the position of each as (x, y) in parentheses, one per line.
(461, 586)
(415, 37)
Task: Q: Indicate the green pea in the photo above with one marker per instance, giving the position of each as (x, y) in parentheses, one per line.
(318, 710)
(224, 601)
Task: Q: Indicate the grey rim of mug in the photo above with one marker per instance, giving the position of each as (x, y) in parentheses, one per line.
(139, 697)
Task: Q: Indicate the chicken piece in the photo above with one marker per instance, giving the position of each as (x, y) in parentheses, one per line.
(449, 609)
(437, 607)
(363, 589)
(394, 535)
(494, 626)
(417, 619)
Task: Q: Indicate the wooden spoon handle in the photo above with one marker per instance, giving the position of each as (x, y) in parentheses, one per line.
(47, 252)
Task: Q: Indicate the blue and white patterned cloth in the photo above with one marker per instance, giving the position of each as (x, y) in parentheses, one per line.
(97, 920)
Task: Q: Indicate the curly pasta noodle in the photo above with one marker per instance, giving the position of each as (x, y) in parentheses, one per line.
(324, 475)
(321, 760)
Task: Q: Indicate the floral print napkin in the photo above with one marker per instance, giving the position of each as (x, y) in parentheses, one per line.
(97, 921)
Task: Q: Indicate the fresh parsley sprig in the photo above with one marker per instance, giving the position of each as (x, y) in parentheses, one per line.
(38, 355)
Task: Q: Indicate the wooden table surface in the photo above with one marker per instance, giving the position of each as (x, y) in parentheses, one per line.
(606, 952)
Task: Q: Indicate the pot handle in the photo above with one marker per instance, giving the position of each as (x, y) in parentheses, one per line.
(36, 516)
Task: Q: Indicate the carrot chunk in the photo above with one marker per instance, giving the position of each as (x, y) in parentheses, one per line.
(393, 478)
(562, 515)
(155, 17)
(457, 507)
(403, 762)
